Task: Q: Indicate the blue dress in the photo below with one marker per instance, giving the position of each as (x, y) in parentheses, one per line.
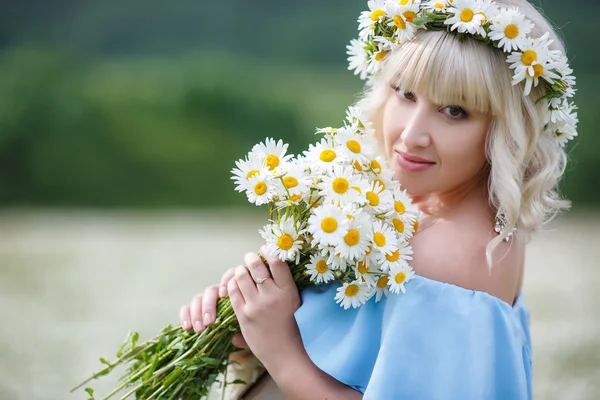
(437, 341)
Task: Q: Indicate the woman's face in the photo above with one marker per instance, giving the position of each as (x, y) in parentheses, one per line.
(433, 148)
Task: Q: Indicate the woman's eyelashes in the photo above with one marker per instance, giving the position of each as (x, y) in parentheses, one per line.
(451, 111)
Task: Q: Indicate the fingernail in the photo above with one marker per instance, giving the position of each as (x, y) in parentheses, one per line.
(207, 318)
(185, 325)
(222, 291)
(198, 326)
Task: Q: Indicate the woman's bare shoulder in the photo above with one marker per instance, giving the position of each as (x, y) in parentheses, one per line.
(455, 252)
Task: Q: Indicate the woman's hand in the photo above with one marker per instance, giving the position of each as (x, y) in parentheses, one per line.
(265, 310)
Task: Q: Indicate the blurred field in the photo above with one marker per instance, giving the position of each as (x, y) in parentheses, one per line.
(73, 283)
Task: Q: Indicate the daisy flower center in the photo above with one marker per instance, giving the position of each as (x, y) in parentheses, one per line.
(409, 16)
(375, 166)
(466, 15)
(362, 267)
(399, 207)
(403, 2)
(399, 22)
(352, 237)
(327, 156)
(357, 166)
(340, 185)
(329, 224)
(272, 161)
(369, 250)
(400, 278)
(321, 267)
(375, 15)
(379, 57)
(379, 239)
(260, 188)
(382, 282)
(285, 242)
(393, 256)
(511, 31)
(290, 182)
(415, 226)
(381, 183)
(351, 290)
(296, 197)
(373, 199)
(353, 146)
(398, 224)
(252, 173)
(439, 6)
(529, 57)
(538, 71)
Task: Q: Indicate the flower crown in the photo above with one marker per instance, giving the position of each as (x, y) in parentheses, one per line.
(387, 24)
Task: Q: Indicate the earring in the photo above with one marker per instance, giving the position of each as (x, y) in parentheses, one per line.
(501, 224)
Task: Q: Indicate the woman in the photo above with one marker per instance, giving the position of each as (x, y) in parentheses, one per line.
(467, 137)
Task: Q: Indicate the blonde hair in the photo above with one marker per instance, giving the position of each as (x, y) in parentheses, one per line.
(525, 164)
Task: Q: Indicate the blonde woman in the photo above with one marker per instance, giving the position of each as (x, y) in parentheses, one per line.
(464, 124)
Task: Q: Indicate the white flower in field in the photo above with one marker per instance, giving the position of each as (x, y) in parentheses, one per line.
(283, 240)
(381, 287)
(358, 58)
(399, 276)
(379, 200)
(355, 243)
(362, 271)
(318, 270)
(510, 28)
(328, 225)
(260, 189)
(342, 186)
(323, 156)
(246, 169)
(397, 258)
(273, 153)
(352, 294)
(353, 147)
(383, 238)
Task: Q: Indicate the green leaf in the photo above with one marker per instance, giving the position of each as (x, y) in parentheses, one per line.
(134, 340)
(90, 391)
(104, 361)
(237, 382)
(120, 351)
(422, 20)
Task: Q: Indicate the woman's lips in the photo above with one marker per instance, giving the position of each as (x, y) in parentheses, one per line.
(412, 163)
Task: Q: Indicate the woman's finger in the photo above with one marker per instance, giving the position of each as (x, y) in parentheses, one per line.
(236, 298)
(196, 313)
(239, 341)
(245, 283)
(227, 276)
(258, 270)
(209, 305)
(279, 270)
(184, 318)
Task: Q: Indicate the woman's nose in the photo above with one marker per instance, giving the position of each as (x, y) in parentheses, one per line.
(416, 127)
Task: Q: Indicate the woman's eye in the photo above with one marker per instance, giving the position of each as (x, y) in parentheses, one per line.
(405, 94)
(455, 112)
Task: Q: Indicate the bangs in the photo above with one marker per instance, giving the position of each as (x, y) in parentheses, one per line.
(452, 72)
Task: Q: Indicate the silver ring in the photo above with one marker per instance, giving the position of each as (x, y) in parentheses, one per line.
(260, 280)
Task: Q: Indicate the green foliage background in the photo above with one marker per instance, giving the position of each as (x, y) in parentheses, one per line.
(149, 103)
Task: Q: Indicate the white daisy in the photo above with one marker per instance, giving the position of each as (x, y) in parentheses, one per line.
(356, 119)
(355, 243)
(379, 200)
(362, 271)
(352, 294)
(383, 238)
(246, 169)
(327, 131)
(561, 110)
(328, 225)
(511, 28)
(563, 132)
(403, 226)
(470, 16)
(342, 187)
(385, 178)
(566, 73)
(397, 258)
(283, 240)
(399, 276)
(323, 156)
(402, 204)
(353, 147)
(402, 16)
(273, 153)
(294, 180)
(367, 19)
(334, 260)
(260, 189)
(436, 5)
(318, 270)
(381, 287)
(358, 58)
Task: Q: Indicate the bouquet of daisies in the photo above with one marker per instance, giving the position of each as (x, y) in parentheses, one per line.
(335, 215)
